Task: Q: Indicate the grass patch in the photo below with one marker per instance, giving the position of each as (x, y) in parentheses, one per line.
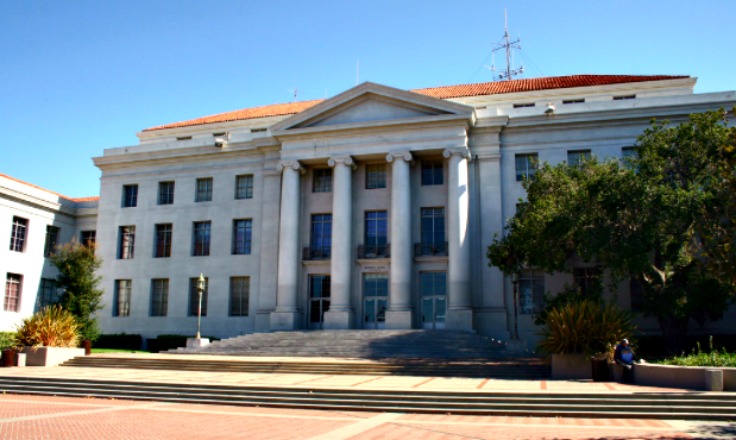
(699, 358)
(116, 350)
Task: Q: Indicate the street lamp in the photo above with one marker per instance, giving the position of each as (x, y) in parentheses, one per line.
(200, 289)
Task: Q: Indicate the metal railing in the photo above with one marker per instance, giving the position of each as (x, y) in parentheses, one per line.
(374, 251)
(316, 253)
(436, 249)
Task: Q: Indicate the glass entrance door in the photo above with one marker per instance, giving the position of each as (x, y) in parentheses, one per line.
(375, 300)
(319, 300)
(433, 287)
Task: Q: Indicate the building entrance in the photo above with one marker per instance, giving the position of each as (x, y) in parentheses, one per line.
(319, 300)
(375, 300)
(433, 287)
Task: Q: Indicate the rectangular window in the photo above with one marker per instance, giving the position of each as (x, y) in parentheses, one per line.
(526, 165)
(623, 97)
(577, 157)
(531, 292)
(322, 180)
(204, 190)
(166, 193)
(244, 186)
(588, 280)
(47, 293)
(194, 296)
(376, 233)
(52, 239)
(573, 101)
(375, 176)
(130, 196)
(121, 298)
(159, 296)
(126, 242)
(433, 232)
(432, 172)
(321, 237)
(242, 234)
(18, 235)
(88, 238)
(636, 295)
(13, 290)
(524, 105)
(239, 296)
(201, 239)
(162, 245)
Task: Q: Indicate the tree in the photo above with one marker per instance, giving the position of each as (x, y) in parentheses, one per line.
(664, 218)
(81, 296)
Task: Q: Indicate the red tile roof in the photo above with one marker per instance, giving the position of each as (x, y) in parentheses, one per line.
(73, 199)
(443, 92)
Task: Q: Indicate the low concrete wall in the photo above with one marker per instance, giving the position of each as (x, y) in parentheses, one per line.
(50, 356)
(681, 377)
(571, 366)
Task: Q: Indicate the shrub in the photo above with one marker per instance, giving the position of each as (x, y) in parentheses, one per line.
(7, 339)
(586, 327)
(120, 341)
(699, 358)
(50, 327)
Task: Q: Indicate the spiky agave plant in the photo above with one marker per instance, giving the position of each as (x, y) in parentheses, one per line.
(52, 326)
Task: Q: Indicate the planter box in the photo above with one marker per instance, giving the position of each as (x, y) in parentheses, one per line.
(571, 366)
(681, 377)
(50, 356)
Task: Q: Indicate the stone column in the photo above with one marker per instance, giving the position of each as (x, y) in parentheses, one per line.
(340, 315)
(287, 316)
(399, 313)
(459, 313)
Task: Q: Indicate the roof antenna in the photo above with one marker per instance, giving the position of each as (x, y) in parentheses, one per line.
(509, 73)
(294, 92)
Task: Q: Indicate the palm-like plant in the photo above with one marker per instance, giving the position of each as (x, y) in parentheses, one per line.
(52, 326)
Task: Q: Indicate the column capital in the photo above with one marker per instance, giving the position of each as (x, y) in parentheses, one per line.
(460, 151)
(342, 160)
(405, 155)
(293, 164)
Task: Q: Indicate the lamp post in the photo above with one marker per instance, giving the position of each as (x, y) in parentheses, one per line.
(200, 290)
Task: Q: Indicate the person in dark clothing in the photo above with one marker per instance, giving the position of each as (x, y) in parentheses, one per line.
(624, 356)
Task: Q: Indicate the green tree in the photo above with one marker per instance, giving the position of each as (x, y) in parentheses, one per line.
(665, 218)
(77, 279)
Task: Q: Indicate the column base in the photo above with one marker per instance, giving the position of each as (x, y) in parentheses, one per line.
(338, 320)
(398, 319)
(263, 321)
(285, 321)
(197, 342)
(459, 319)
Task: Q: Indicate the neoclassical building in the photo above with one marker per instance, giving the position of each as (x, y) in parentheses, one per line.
(371, 209)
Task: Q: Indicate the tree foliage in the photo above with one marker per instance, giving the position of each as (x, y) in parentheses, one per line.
(81, 295)
(665, 217)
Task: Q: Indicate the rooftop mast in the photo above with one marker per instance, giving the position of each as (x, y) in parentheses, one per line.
(509, 73)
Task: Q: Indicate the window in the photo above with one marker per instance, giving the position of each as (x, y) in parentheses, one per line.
(375, 176)
(526, 165)
(201, 240)
(588, 280)
(52, 239)
(47, 293)
(88, 238)
(18, 236)
(242, 234)
(573, 101)
(375, 284)
(130, 196)
(166, 193)
(204, 190)
(636, 292)
(322, 180)
(376, 228)
(432, 172)
(577, 157)
(121, 298)
(194, 296)
(524, 105)
(183, 138)
(239, 296)
(321, 237)
(244, 186)
(531, 292)
(623, 97)
(433, 232)
(13, 288)
(159, 296)
(126, 242)
(163, 240)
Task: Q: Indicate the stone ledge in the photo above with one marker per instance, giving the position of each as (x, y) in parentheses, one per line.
(675, 376)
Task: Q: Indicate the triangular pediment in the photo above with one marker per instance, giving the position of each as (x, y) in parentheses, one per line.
(370, 103)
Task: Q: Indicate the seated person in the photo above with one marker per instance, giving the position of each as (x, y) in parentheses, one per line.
(624, 356)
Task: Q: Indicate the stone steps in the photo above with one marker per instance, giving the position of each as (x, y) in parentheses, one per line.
(684, 406)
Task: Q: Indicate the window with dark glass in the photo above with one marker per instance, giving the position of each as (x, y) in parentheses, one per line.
(166, 193)
(577, 157)
(242, 234)
(88, 238)
(47, 295)
(531, 292)
(201, 239)
(194, 296)
(13, 289)
(164, 233)
(159, 296)
(432, 173)
(18, 234)
(126, 242)
(433, 232)
(130, 196)
(376, 229)
(52, 239)
(239, 296)
(321, 236)
(375, 176)
(244, 186)
(121, 298)
(588, 280)
(526, 165)
(322, 180)
(204, 190)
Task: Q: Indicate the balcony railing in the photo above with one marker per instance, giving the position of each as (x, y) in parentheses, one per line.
(316, 253)
(374, 251)
(436, 249)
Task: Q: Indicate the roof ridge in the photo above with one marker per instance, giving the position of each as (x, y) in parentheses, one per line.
(72, 199)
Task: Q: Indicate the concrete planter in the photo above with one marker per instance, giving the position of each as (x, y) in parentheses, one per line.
(696, 378)
(50, 356)
(571, 366)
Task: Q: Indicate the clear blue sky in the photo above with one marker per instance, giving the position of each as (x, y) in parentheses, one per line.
(79, 76)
